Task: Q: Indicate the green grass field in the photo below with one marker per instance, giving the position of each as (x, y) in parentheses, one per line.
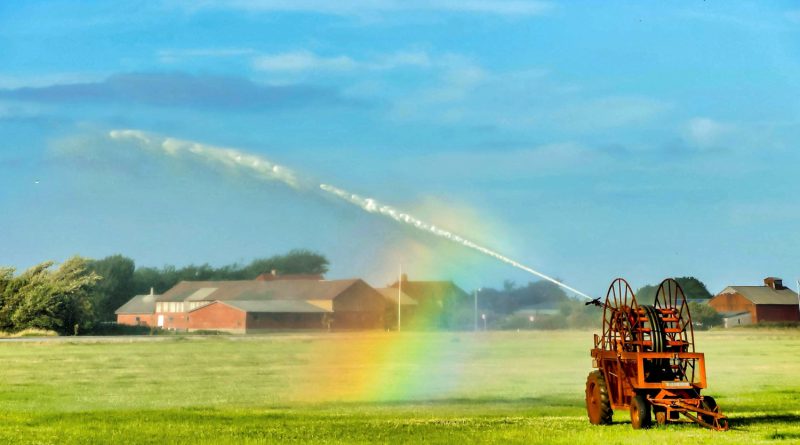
(503, 387)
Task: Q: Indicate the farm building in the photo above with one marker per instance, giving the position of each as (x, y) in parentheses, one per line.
(268, 304)
(434, 299)
(408, 306)
(772, 302)
(431, 292)
(138, 311)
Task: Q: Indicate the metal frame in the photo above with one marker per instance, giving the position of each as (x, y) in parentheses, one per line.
(622, 352)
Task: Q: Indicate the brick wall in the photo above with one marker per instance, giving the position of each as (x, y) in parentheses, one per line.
(777, 313)
(265, 321)
(218, 317)
(733, 303)
(136, 319)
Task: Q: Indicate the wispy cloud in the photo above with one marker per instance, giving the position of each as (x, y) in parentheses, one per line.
(297, 61)
(178, 55)
(352, 7)
(303, 61)
(609, 112)
(705, 132)
(180, 90)
(17, 110)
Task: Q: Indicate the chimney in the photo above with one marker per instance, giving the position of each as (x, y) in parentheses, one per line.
(774, 283)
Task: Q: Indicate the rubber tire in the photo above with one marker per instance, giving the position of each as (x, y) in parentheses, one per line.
(640, 412)
(711, 405)
(598, 405)
(661, 416)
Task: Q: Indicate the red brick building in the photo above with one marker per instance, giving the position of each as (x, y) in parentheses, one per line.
(771, 302)
(138, 311)
(268, 303)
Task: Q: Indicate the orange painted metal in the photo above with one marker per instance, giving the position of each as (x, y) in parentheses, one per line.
(648, 351)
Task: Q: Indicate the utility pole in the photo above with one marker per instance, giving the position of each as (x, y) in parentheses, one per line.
(476, 309)
(399, 294)
(798, 295)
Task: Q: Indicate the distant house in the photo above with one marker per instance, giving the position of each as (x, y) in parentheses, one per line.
(434, 300)
(772, 302)
(535, 310)
(138, 311)
(257, 305)
(407, 306)
(436, 293)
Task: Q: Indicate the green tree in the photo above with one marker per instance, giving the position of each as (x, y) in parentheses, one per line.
(8, 287)
(115, 287)
(298, 261)
(693, 288)
(44, 298)
(704, 316)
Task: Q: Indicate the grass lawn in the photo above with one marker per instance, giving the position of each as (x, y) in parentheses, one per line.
(501, 387)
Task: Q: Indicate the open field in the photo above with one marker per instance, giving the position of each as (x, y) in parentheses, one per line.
(504, 387)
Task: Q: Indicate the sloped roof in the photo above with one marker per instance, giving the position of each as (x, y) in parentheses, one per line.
(251, 290)
(763, 294)
(390, 294)
(276, 306)
(425, 290)
(140, 304)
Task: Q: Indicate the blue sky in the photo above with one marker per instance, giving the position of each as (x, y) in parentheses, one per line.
(632, 140)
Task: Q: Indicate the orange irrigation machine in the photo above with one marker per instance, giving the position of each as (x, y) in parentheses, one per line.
(646, 362)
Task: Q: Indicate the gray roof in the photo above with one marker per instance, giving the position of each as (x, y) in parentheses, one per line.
(276, 306)
(391, 295)
(763, 294)
(251, 290)
(140, 304)
(733, 314)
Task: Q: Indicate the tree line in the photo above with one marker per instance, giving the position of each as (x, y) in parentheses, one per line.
(77, 295)
(544, 305)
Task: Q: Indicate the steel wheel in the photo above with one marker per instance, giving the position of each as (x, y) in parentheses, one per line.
(619, 315)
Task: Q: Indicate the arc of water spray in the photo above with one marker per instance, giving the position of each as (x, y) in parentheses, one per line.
(267, 170)
(373, 206)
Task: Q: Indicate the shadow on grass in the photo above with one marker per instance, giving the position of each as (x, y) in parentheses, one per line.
(766, 419)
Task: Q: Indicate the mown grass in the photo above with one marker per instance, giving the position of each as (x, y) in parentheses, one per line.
(505, 387)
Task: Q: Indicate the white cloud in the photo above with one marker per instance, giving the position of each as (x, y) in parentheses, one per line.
(705, 132)
(43, 80)
(351, 7)
(609, 112)
(401, 59)
(176, 55)
(303, 61)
